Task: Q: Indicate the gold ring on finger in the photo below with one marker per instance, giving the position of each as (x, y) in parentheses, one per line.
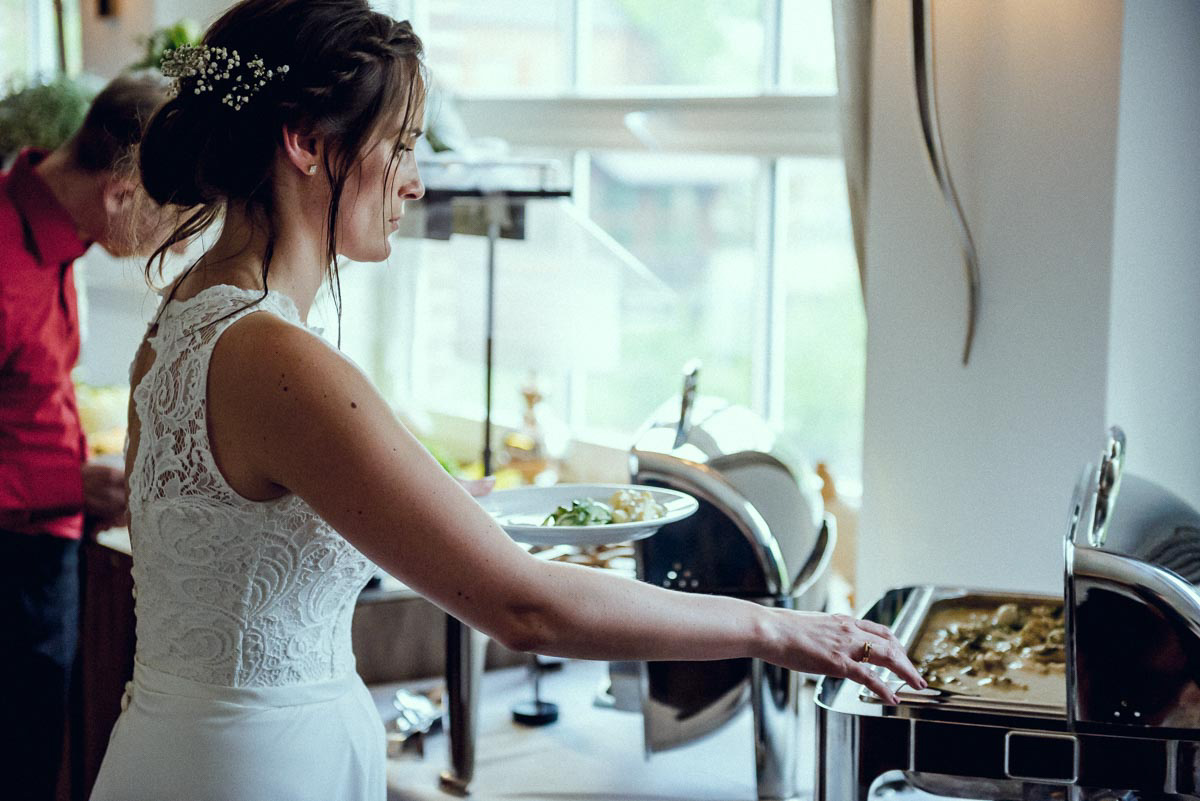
(866, 652)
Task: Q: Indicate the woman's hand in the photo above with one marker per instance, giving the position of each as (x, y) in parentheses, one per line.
(839, 646)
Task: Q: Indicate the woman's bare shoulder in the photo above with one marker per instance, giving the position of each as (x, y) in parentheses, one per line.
(272, 363)
(279, 396)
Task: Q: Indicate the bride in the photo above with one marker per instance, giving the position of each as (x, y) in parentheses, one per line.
(267, 476)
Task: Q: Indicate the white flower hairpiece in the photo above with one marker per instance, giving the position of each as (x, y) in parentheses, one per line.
(214, 67)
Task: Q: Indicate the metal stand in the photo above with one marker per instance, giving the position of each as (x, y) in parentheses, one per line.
(495, 216)
(463, 674)
(536, 712)
(464, 666)
(463, 670)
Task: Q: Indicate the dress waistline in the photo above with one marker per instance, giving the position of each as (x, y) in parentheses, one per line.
(148, 679)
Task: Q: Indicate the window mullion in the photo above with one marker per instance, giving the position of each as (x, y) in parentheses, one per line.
(777, 294)
(581, 181)
(766, 371)
(772, 43)
(578, 43)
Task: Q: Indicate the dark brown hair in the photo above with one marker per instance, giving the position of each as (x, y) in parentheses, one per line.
(114, 122)
(350, 71)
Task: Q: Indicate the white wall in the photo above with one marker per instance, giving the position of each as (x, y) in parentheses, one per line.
(111, 43)
(968, 471)
(1154, 389)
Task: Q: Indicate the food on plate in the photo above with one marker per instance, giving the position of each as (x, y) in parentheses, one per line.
(581, 512)
(625, 506)
(631, 506)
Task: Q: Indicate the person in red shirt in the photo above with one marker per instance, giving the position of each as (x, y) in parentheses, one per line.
(53, 206)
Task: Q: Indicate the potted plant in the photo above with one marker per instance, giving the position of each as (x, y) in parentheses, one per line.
(41, 115)
(158, 43)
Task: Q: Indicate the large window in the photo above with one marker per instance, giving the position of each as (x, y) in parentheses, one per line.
(691, 220)
(714, 44)
(502, 45)
(703, 142)
(15, 39)
(29, 40)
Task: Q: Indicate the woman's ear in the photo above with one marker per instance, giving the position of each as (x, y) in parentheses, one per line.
(302, 149)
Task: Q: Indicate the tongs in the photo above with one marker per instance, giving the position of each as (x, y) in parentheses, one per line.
(932, 694)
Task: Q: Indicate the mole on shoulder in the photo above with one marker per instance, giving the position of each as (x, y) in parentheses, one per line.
(353, 405)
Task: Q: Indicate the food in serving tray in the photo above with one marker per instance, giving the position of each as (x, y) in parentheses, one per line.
(1001, 647)
(625, 506)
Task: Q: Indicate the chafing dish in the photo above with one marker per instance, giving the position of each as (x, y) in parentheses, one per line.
(1125, 722)
(760, 534)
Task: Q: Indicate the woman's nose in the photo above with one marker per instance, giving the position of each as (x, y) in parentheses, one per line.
(413, 190)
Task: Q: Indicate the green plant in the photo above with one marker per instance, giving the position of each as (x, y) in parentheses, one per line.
(184, 32)
(42, 115)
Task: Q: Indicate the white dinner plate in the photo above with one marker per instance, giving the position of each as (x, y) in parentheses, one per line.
(521, 511)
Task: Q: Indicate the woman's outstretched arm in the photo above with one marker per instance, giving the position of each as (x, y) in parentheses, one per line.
(289, 412)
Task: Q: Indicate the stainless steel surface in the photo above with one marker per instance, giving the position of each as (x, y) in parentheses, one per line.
(1108, 482)
(464, 669)
(810, 590)
(1013, 738)
(992, 754)
(1133, 588)
(415, 716)
(1130, 728)
(713, 489)
(760, 534)
(927, 107)
(910, 628)
(736, 461)
(691, 377)
(775, 701)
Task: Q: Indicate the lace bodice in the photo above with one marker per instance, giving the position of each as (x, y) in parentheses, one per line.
(229, 591)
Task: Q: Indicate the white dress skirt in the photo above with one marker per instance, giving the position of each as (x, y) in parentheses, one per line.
(178, 739)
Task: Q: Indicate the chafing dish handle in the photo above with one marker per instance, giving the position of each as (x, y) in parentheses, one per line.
(691, 377)
(1044, 757)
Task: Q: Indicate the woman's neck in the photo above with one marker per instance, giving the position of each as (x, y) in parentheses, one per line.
(297, 260)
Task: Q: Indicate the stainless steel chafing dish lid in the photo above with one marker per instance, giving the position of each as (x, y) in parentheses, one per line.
(1133, 600)
(729, 456)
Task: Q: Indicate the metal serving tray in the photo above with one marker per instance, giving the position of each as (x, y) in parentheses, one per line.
(910, 627)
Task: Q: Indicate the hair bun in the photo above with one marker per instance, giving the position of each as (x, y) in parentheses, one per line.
(171, 151)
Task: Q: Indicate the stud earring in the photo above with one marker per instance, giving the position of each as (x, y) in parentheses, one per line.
(312, 169)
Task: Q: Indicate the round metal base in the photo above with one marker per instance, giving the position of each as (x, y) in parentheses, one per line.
(535, 713)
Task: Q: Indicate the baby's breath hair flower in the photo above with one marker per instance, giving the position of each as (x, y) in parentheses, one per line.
(212, 68)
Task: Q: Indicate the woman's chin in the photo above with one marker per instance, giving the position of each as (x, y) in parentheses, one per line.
(370, 255)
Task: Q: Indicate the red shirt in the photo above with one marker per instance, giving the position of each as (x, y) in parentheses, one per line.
(42, 446)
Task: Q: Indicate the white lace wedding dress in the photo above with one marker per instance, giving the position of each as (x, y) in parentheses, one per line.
(244, 684)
